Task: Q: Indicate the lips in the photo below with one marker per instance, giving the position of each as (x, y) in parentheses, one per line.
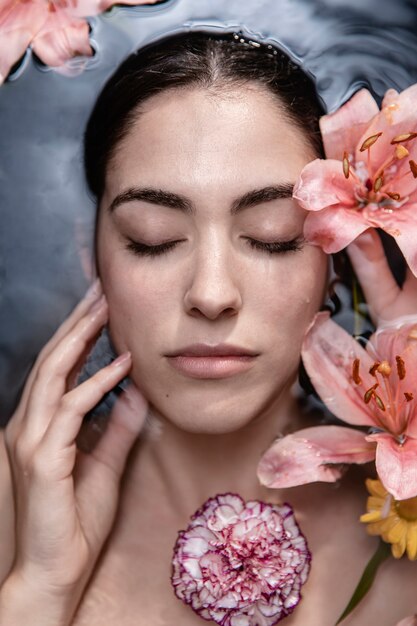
(202, 360)
(206, 350)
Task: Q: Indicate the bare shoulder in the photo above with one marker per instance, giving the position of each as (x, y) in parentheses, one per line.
(7, 533)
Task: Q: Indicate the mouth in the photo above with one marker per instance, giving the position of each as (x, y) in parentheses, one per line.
(215, 361)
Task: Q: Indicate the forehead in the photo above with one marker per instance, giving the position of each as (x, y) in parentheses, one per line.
(200, 139)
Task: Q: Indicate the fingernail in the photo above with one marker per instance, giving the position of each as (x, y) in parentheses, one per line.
(98, 304)
(126, 356)
(94, 290)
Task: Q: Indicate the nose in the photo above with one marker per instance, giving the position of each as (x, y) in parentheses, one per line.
(214, 290)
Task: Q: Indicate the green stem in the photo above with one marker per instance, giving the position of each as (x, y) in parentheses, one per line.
(382, 552)
(357, 300)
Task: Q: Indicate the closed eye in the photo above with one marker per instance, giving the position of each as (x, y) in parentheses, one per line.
(142, 249)
(274, 247)
(277, 247)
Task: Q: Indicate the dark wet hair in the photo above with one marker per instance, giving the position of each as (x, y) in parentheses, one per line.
(213, 62)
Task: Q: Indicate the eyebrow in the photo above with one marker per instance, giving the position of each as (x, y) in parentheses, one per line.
(181, 203)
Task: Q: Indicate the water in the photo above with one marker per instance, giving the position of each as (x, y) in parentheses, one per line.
(47, 215)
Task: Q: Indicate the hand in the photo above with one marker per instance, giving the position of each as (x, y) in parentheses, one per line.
(66, 500)
(386, 300)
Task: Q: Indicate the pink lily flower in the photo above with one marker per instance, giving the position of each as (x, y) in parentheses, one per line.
(374, 388)
(369, 178)
(54, 29)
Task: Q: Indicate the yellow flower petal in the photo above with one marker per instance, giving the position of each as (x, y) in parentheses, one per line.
(376, 488)
(374, 528)
(398, 532)
(373, 516)
(375, 503)
(398, 549)
(412, 541)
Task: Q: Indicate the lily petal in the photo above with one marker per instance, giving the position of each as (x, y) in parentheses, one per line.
(322, 184)
(400, 107)
(342, 129)
(313, 454)
(334, 228)
(396, 465)
(328, 353)
(406, 240)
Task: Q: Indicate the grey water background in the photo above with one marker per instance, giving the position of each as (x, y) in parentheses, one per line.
(46, 213)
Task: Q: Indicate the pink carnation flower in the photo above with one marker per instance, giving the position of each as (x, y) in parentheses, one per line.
(375, 388)
(55, 29)
(369, 178)
(241, 564)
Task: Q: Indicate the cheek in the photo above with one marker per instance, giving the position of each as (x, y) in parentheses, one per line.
(139, 302)
(292, 292)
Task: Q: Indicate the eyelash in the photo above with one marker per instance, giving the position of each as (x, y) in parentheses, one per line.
(275, 247)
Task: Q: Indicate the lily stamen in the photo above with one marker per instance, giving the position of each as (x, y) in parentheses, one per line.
(369, 142)
(401, 152)
(400, 367)
(404, 137)
(355, 372)
(413, 168)
(384, 368)
(346, 165)
(378, 183)
(393, 195)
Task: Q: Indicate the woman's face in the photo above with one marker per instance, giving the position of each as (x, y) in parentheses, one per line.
(213, 174)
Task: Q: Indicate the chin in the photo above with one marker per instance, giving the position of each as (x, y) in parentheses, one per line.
(211, 413)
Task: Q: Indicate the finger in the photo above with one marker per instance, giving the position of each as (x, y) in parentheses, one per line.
(94, 292)
(62, 430)
(369, 261)
(100, 471)
(50, 384)
(410, 287)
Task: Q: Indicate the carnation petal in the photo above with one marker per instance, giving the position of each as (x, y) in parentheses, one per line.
(313, 454)
(342, 129)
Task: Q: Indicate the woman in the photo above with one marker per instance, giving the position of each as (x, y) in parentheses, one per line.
(192, 152)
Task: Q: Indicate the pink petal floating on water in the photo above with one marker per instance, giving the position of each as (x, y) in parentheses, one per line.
(55, 29)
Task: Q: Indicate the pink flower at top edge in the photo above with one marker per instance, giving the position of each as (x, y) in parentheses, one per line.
(54, 28)
(369, 178)
(375, 388)
(241, 563)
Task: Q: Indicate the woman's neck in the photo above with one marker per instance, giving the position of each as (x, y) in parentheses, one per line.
(184, 469)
